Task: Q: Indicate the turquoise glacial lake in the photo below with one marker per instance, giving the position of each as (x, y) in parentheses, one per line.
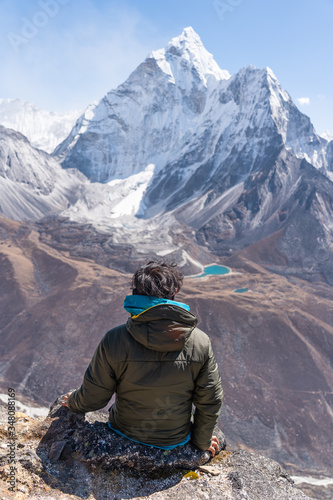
(213, 269)
(240, 290)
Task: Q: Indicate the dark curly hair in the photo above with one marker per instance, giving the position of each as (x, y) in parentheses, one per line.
(157, 279)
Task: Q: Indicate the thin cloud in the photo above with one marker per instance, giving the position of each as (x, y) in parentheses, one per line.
(304, 101)
(79, 55)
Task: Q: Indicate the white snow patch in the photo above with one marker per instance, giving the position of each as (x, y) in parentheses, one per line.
(162, 253)
(131, 190)
(159, 56)
(187, 258)
(31, 411)
(330, 175)
(327, 135)
(312, 480)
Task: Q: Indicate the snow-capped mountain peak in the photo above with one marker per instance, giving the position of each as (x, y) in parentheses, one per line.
(44, 129)
(295, 128)
(187, 51)
(188, 36)
(274, 85)
(179, 104)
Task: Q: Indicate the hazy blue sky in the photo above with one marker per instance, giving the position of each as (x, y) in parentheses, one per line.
(64, 54)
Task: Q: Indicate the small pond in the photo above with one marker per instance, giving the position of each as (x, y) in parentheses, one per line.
(240, 290)
(213, 269)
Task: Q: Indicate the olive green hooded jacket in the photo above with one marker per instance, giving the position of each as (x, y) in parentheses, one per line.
(158, 364)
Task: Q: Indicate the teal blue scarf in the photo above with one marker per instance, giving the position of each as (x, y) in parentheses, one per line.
(136, 304)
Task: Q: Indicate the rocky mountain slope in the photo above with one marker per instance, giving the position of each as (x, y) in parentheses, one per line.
(288, 203)
(32, 184)
(44, 129)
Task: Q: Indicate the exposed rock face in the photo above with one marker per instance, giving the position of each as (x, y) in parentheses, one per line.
(32, 183)
(49, 468)
(92, 441)
(290, 199)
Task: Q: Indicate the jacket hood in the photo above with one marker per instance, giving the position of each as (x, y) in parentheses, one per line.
(163, 327)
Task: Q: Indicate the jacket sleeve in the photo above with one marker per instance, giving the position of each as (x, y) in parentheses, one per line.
(208, 396)
(99, 384)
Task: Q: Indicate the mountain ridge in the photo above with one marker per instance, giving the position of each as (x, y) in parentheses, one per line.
(32, 183)
(44, 129)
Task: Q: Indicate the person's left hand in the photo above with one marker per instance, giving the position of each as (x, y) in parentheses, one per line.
(64, 403)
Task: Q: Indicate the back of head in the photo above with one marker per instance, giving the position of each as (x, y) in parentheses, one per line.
(157, 279)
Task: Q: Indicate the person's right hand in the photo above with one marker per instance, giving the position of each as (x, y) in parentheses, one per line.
(214, 447)
(64, 403)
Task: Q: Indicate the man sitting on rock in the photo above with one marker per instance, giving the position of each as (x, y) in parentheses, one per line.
(158, 365)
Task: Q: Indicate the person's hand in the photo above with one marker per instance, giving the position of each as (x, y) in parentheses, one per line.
(64, 403)
(214, 446)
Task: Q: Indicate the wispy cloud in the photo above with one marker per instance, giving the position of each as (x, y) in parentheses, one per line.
(304, 101)
(82, 52)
